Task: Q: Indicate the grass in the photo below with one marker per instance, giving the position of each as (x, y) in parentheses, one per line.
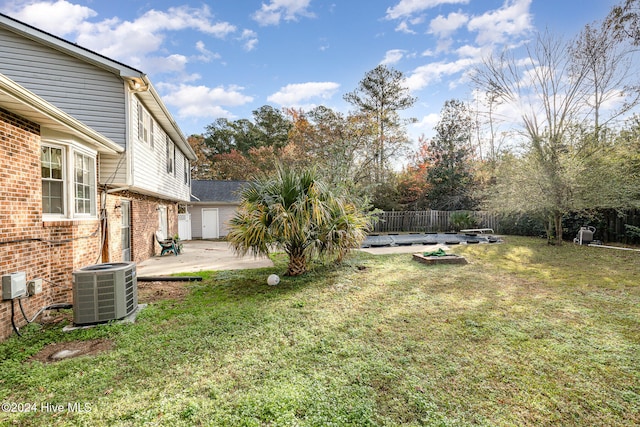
(525, 335)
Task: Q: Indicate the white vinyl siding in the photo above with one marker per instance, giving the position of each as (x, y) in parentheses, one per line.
(94, 96)
(99, 98)
(150, 162)
(225, 213)
(113, 169)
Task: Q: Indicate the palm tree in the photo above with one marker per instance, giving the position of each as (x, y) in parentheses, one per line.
(296, 212)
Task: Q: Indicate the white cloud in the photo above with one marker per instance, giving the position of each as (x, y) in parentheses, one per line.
(125, 39)
(403, 27)
(406, 8)
(202, 101)
(324, 44)
(167, 64)
(393, 56)
(468, 51)
(444, 45)
(431, 73)
(183, 17)
(131, 42)
(250, 39)
(60, 17)
(289, 10)
(205, 54)
(445, 26)
(501, 25)
(428, 122)
(293, 95)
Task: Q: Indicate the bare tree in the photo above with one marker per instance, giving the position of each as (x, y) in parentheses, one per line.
(607, 64)
(490, 137)
(558, 90)
(625, 21)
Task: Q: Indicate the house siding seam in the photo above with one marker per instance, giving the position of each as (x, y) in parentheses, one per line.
(49, 250)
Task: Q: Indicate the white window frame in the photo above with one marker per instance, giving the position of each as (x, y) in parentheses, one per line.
(88, 195)
(64, 180)
(151, 131)
(145, 125)
(171, 156)
(69, 152)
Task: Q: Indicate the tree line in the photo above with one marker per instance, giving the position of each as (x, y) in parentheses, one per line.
(545, 134)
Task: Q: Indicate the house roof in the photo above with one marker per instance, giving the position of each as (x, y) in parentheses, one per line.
(17, 99)
(216, 191)
(137, 80)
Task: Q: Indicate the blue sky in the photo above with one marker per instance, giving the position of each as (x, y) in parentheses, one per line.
(226, 58)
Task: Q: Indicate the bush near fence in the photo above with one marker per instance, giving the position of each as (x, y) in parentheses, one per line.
(428, 221)
(610, 225)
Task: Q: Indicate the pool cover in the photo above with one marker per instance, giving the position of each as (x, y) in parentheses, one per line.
(378, 241)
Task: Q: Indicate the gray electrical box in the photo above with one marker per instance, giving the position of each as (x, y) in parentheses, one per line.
(14, 285)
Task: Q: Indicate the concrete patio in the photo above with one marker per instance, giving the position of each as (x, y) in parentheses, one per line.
(200, 255)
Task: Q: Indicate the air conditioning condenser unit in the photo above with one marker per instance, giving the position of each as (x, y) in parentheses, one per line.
(104, 292)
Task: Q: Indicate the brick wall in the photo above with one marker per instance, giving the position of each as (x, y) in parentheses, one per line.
(47, 250)
(144, 224)
(52, 250)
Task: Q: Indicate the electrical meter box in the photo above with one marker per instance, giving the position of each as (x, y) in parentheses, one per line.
(14, 285)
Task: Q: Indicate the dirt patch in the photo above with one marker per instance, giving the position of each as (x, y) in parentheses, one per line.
(149, 292)
(66, 350)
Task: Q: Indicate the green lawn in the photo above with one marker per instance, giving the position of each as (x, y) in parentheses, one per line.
(526, 334)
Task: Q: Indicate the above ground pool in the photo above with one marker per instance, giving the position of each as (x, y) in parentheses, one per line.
(382, 240)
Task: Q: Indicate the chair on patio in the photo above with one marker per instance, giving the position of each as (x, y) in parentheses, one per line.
(167, 245)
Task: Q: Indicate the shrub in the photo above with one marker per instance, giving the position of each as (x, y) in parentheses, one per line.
(296, 212)
(460, 220)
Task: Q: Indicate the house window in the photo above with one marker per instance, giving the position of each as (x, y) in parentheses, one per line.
(85, 185)
(145, 126)
(52, 163)
(186, 170)
(171, 156)
(68, 182)
(151, 129)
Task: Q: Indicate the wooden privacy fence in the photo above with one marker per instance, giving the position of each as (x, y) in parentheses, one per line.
(428, 221)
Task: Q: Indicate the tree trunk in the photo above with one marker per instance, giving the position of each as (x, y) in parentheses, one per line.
(557, 219)
(297, 262)
(554, 229)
